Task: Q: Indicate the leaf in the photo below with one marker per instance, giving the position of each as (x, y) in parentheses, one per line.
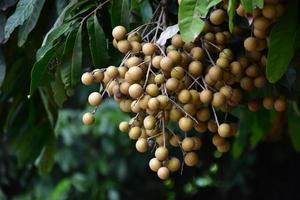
(59, 92)
(258, 3)
(61, 190)
(282, 44)
(2, 23)
(231, 13)
(97, 42)
(146, 11)
(249, 5)
(167, 34)
(2, 68)
(30, 23)
(23, 11)
(293, 129)
(120, 13)
(77, 58)
(39, 76)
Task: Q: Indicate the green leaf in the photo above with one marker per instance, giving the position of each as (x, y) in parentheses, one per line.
(97, 42)
(76, 58)
(59, 92)
(282, 44)
(190, 12)
(258, 3)
(120, 13)
(146, 11)
(249, 5)
(293, 129)
(23, 11)
(2, 68)
(231, 13)
(39, 75)
(2, 23)
(30, 23)
(61, 190)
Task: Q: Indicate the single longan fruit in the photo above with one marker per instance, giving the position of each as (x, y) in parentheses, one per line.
(219, 99)
(172, 84)
(218, 140)
(197, 53)
(135, 133)
(136, 47)
(159, 79)
(175, 56)
(224, 147)
(186, 124)
(224, 130)
(187, 144)
(163, 101)
(98, 75)
(178, 73)
(217, 17)
(252, 71)
(148, 49)
(261, 34)
(268, 103)
(134, 37)
(153, 104)
(119, 32)
(212, 126)
(253, 105)
(149, 122)
(190, 109)
(247, 83)
(191, 159)
(226, 91)
(141, 145)
(188, 46)
(124, 46)
(135, 107)
(166, 64)
(156, 61)
(221, 38)
(88, 118)
(261, 23)
(197, 143)
(135, 91)
(112, 72)
(215, 73)
(260, 82)
(125, 105)
(250, 44)
(203, 114)
(161, 153)
(154, 164)
(206, 96)
(95, 99)
(135, 73)
(163, 173)
(280, 105)
(241, 11)
(236, 68)
(177, 41)
(195, 68)
(173, 164)
(133, 61)
(184, 96)
(124, 126)
(152, 90)
(124, 87)
(87, 78)
(175, 114)
(269, 11)
(210, 37)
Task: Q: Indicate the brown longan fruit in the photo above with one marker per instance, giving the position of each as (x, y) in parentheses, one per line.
(163, 173)
(247, 83)
(240, 10)
(215, 73)
(149, 49)
(226, 91)
(156, 61)
(191, 159)
(203, 114)
(224, 130)
(154, 164)
(197, 53)
(197, 143)
(149, 122)
(135, 73)
(135, 91)
(236, 68)
(172, 84)
(141, 145)
(166, 63)
(135, 132)
(252, 71)
(87, 78)
(177, 72)
(133, 61)
(261, 23)
(220, 38)
(219, 99)
(163, 101)
(175, 140)
(260, 82)
(217, 140)
(184, 96)
(188, 46)
(224, 147)
(152, 90)
(153, 104)
(122, 71)
(135, 107)
(195, 68)
(222, 62)
(210, 37)
(187, 144)
(186, 124)
(95, 99)
(250, 44)
(253, 105)
(136, 47)
(175, 114)
(261, 34)
(161, 153)
(88, 119)
(280, 104)
(136, 37)
(190, 109)
(173, 164)
(125, 105)
(124, 126)
(195, 97)
(268, 103)
(175, 56)
(206, 96)
(124, 46)
(98, 75)
(159, 79)
(212, 126)
(217, 17)
(124, 87)
(177, 41)
(269, 11)
(119, 32)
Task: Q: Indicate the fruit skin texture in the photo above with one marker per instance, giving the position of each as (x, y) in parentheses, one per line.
(186, 124)
(161, 153)
(88, 119)
(124, 126)
(188, 144)
(191, 159)
(173, 164)
(87, 78)
(119, 32)
(224, 130)
(217, 17)
(163, 173)
(95, 99)
(154, 164)
(141, 145)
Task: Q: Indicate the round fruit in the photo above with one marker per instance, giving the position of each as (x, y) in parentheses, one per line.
(88, 118)
(166, 63)
(197, 53)
(177, 41)
(135, 133)
(148, 49)
(191, 159)
(161, 153)
(163, 173)
(98, 75)
(141, 145)
(149, 122)
(185, 124)
(188, 144)
(124, 126)
(87, 78)
(184, 96)
(195, 68)
(217, 17)
(250, 44)
(268, 103)
(119, 32)
(172, 84)
(135, 73)
(95, 99)
(173, 164)
(154, 164)
(280, 105)
(203, 114)
(206, 96)
(135, 90)
(224, 130)
(152, 90)
(124, 46)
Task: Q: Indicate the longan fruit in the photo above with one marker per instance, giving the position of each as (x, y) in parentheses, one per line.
(122, 71)
(152, 90)
(280, 105)
(88, 118)
(217, 140)
(220, 38)
(161, 153)
(133, 61)
(175, 114)
(172, 84)
(141, 145)
(175, 56)
(240, 10)
(166, 64)
(191, 159)
(253, 105)
(135, 73)
(95, 99)
(224, 148)
(136, 47)
(222, 62)
(119, 32)
(124, 126)
(212, 126)
(224, 130)
(195, 97)
(175, 140)
(163, 101)
(159, 79)
(124, 46)
(153, 104)
(184, 96)
(226, 91)
(190, 109)
(197, 143)
(98, 75)
(236, 68)
(148, 49)
(252, 71)
(136, 37)
(149, 122)
(177, 72)
(185, 124)
(197, 53)
(217, 16)
(195, 68)
(87, 78)
(206, 96)
(261, 34)
(260, 82)
(135, 107)
(125, 105)
(219, 99)
(188, 46)
(135, 91)
(250, 44)
(124, 87)
(203, 114)
(173, 164)
(210, 37)
(163, 173)
(215, 73)
(177, 41)
(269, 11)
(154, 164)
(261, 23)
(187, 144)
(156, 61)
(268, 103)
(247, 83)
(135, 132)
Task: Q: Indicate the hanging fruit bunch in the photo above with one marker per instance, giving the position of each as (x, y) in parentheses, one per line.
(196, 84)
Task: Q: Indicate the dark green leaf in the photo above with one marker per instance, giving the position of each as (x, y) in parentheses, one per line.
(59, 92)
(120, 13)
(231, 12)
(77, 58)
(97, 42)
(282, 44)
(293, 129)
(258, 3)
(2, 68)
(2, 23)
(30, 23)
(146, 11)
(248, 6)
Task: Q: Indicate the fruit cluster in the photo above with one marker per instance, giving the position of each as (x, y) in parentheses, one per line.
(192, 84)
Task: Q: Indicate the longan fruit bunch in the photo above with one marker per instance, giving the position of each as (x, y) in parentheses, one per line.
(194, 85)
